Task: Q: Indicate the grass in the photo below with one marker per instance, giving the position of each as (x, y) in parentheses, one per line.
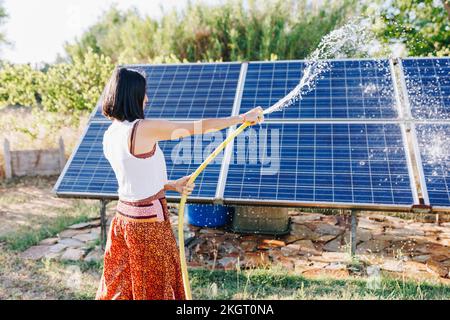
(273, 284)
(38, 181)
(47, 279)
(44, 227)
(25, 237)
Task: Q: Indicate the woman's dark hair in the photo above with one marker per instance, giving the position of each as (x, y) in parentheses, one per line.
(124, 96)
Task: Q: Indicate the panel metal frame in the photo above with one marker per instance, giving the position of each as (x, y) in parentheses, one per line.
(412, 182)
(404, 114)
(229, 148)
(413, 135)
(324, 205)
(245, 61)
(305, 60)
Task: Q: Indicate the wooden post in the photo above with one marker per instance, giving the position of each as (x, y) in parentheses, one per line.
(62, 157)
(354, 225)
(103, 203)
(7, 156)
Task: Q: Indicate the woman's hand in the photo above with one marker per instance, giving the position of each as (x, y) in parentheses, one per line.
(181, 186)
(253, 116)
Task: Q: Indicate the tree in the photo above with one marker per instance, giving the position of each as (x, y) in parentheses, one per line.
(19, 85)
(422, 25)
(74, 88)
(259, 30)
(65, 88)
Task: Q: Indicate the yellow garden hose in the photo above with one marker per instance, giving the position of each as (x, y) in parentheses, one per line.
(215, 153)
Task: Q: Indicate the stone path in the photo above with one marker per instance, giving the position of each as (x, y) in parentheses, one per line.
(79, 242)
(317, 245)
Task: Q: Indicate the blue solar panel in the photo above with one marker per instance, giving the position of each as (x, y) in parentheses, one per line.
(428, 85)
(321, 163)
(90, 174)
(434, 144)
(189, 91)
(349, 90)
(184, 156)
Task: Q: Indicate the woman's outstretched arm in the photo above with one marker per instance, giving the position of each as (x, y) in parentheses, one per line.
(158, 130)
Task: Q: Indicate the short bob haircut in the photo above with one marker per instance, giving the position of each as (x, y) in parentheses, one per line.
(124, 95)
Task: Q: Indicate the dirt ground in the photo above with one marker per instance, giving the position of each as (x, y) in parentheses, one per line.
(26, 202)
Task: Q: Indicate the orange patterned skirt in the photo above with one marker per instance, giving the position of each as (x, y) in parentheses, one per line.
(141, 259)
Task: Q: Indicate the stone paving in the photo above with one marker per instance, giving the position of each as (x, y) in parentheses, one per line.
(79, 242)
(317, 245)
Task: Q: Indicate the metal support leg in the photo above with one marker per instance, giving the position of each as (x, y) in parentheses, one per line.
(353, 240)
(103, 222)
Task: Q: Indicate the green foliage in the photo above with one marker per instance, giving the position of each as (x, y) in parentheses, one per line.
(67, 88)
(226, 32)
(75, 87)
(422, 25)
(232, 31)
(19, 85)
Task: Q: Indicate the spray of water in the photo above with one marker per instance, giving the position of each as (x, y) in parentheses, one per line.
(352, 39)
(434, 143)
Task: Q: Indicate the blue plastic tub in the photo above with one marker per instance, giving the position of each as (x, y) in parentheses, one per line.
(206, 215)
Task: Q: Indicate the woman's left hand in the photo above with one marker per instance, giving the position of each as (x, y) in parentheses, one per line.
(181, 186)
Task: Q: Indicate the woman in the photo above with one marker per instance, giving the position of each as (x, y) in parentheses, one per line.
(141, 259)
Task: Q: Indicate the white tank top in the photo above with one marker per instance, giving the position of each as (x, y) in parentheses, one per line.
(138, 178)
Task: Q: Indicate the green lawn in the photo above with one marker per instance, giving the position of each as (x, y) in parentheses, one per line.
(45, 279)
(272, 284)
(26, 279)
(27, 236)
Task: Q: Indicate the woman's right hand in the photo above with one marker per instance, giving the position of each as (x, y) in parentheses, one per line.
(253, 116)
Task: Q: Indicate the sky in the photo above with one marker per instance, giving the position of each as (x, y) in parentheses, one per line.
(39, 29)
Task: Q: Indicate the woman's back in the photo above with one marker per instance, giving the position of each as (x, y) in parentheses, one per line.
(140, 176)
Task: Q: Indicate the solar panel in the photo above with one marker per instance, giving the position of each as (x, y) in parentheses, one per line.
(189, 91)
(321, 163)
(351, 89)
(183, 157)
(434, 146)
(89, 173)
(428, 86)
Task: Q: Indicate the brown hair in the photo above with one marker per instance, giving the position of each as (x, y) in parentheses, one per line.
(124, 95)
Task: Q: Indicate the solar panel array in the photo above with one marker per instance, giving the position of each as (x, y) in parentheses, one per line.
(342, 144)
